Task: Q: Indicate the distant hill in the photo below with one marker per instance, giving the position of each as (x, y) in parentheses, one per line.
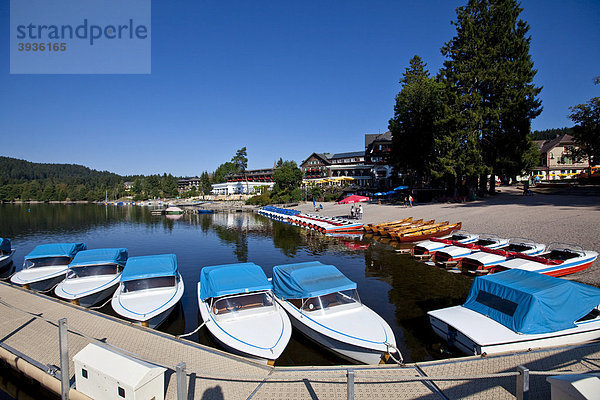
(25, 180)
(548, 134)
(13, 170)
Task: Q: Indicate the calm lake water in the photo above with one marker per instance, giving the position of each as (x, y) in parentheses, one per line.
(398, 288)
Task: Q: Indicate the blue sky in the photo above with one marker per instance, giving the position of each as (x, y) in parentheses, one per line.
(282, 78)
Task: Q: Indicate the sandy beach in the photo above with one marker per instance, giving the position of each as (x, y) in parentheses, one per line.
(566, 216)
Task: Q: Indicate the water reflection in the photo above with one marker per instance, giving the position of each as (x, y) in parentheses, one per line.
(398, 288)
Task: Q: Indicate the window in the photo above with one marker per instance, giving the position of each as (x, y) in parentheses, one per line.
(497, 303)
(84, 373)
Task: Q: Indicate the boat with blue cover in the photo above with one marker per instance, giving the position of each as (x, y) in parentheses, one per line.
(518, 310)
(237, 305)
(93, 276)
(149, 289)
(324, 305)
(46, 265)
(6, 254)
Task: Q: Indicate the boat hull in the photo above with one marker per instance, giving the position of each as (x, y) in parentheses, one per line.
(5, 261)
(455, 338)
(40, 279)
(88, 298)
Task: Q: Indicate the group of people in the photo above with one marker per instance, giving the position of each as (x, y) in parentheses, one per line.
(356, 212)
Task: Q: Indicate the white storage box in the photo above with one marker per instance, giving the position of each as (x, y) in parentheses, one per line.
(575, 386)
(101, 373)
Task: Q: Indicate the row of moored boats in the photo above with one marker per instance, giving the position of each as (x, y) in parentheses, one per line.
(246, 312)
(314, 222)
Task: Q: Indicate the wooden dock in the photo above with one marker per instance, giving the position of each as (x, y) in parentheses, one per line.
(29, 330)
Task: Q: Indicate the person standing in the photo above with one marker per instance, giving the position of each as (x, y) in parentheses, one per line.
(360, 211)
(410, 200)
(352, 211)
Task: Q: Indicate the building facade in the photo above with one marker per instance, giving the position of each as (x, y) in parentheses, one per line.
(378, 153)
(186, 184)
(239, 187)
(556, 161)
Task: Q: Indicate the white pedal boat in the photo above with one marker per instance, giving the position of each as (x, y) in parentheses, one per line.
(451, 255)
(324, 305)
(46, 265)
(237, 304)
(93, 276)
(150, 287)
(426, 249)
(519, 310)
(558, 260)
(485, 261)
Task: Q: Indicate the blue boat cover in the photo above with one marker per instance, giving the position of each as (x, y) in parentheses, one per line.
(308, 279)
(5, 245)
(222, 280)
(149, 267)
(99, 257)
(56, 250)
(401, 188)
(530, 302)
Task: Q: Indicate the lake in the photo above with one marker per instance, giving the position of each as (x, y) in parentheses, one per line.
(395, 286)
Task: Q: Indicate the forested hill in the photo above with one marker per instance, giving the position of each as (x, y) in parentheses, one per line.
(13, 170)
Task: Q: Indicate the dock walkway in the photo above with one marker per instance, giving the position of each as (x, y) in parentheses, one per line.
(29, 329)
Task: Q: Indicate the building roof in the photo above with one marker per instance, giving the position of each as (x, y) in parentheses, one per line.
(323, 156)
(370, 138)
(552, 143)
(348, 155)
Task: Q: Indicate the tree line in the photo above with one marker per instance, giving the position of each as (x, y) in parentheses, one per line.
(472, 120)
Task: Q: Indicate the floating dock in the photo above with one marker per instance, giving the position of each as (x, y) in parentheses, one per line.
(29, 332)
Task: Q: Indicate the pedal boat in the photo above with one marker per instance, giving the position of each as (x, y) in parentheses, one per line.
(426, 249)
(6, 254)
(485, 261)
(46, 265)
(150, 287)
(558, 260)
(519, 310)
(238, 307)
(324, 305)
(93, 276)
(450, 256)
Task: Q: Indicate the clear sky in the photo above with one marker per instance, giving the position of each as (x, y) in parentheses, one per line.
(282, 78)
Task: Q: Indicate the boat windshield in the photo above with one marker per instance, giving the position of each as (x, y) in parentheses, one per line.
(149, 283)
(241, 302)
(330, 300)
(46, 262)
(93, 270)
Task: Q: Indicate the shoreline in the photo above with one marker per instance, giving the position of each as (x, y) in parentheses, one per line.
(565, 217)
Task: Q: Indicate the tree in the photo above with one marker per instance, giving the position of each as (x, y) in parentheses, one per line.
(287, 177)
(219, 176)
(587, 131)
(205, 186)
(490, 71)
(416, 114)
(240, 160)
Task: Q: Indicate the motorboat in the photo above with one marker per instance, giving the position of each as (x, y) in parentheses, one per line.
(558, 260)
(451, 255)
(149, 289)
(6, 254)
(519, 310)
(426, 249)
(372, 228)
(324, 305)
(238, 307)
(93, 276)
(485, 261)
(46, 265)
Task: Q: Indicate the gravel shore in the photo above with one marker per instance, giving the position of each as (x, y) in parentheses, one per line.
(567, 216)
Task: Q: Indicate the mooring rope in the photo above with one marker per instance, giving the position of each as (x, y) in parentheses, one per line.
(103, 304)
(192, 332)
(401, 360)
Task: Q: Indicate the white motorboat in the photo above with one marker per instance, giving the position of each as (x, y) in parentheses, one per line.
(93, 276)
(46, 265)
(237, 304)
(485, 261)
(324, 305)
(451, 255)
(426, 249)
(6, 254)
(149, 289)
(558, 260)
(520, 310)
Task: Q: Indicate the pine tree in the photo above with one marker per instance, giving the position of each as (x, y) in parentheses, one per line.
(490, 72)
(417, 110)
